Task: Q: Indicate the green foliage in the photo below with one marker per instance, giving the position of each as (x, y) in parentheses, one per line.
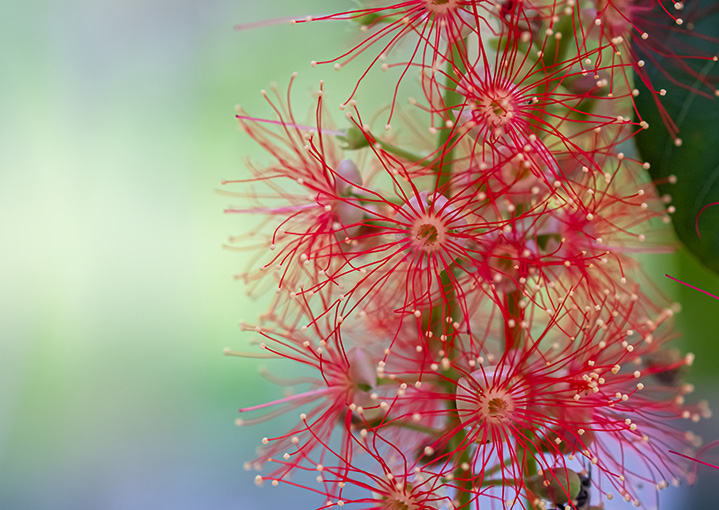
(694, 159)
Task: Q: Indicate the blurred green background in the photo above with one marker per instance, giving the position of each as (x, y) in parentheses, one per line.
(117, 126)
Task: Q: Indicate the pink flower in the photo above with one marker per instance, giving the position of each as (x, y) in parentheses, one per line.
(309, 195)
(345, 377)
(473, 322)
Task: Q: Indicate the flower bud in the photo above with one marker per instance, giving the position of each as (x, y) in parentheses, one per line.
(361, 370)
(558, 485)
(354, 138)
(347, 175)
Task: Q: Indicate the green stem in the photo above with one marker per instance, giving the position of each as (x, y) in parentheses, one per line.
(499, 467)
(405, 154)
(514, 339)
(447, 136)
(513, 334)
(498, 481)
(464, 491)
(444, 171)
(530, 463)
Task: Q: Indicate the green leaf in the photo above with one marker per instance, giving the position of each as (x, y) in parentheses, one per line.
(695, 162)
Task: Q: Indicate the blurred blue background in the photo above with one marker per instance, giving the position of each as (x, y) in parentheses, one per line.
(117, 299)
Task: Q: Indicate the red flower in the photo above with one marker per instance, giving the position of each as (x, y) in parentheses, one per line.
(344, 377)
(309, 191)
(473, 320)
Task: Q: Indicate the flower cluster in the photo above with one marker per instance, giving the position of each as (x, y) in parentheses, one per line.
(458, 294)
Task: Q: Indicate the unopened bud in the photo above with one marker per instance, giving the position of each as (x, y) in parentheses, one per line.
(354, 138)
(557, 485)
(347, 175)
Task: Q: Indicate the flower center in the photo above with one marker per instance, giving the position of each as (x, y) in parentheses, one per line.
(440, 6)
(399, 501)
(427, 234)
(430, 225)
(489, 398)
(497, 109)
(496, 405)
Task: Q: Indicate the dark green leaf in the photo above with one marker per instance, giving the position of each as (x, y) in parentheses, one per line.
(695, 162)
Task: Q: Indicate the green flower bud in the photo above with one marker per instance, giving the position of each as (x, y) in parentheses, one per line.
(556, 485)
(354, 138)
